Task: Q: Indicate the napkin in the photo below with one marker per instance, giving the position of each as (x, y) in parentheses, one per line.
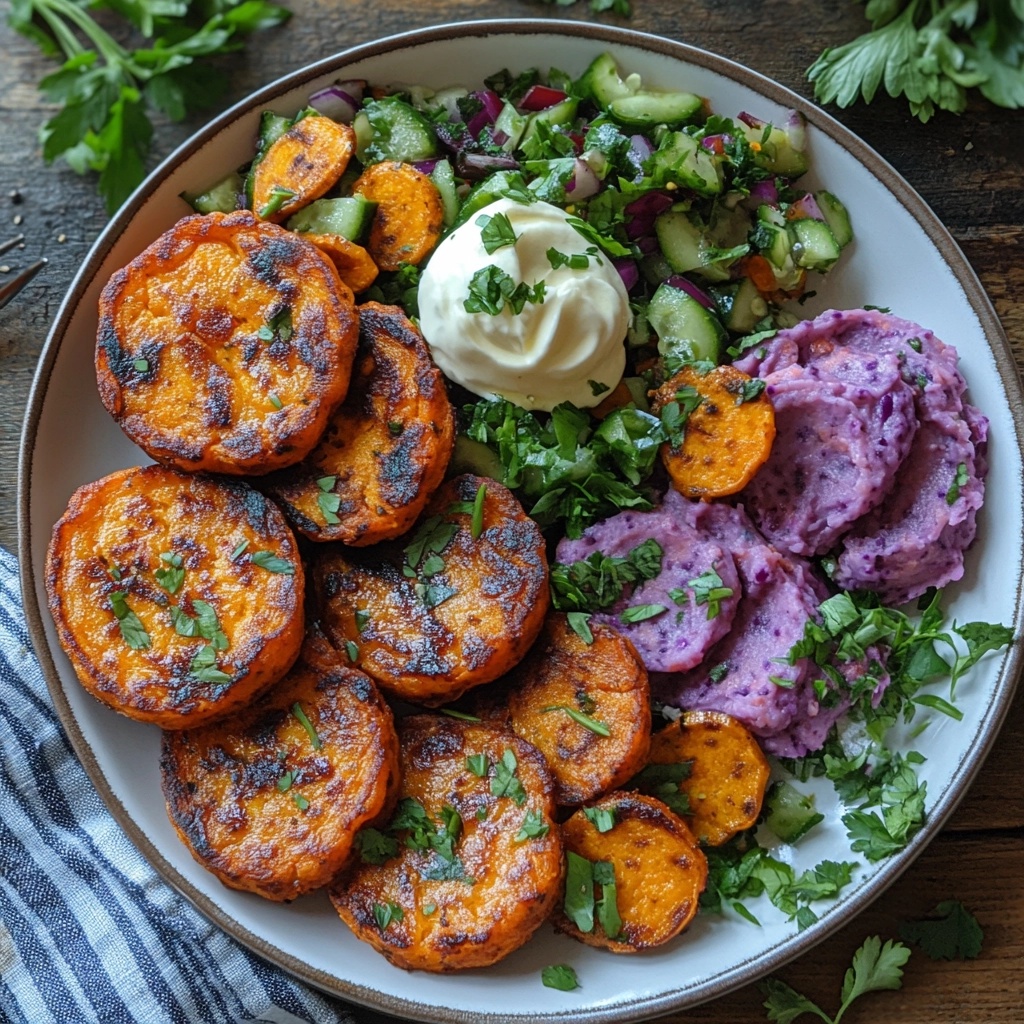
(88, 930)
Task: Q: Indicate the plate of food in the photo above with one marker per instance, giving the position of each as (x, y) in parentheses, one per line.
(539, 541)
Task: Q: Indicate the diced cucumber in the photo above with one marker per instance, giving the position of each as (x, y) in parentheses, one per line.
(561, 113)
(495, 186)
(685, 246)
(814, 245)
(602, 82)
(748, 307)
(219, 198)
(772, 239)
(272, 127)
(686, 330)
(443, 178)
(511, 123)
(836, 217)
(680, 158)
(349, 217)
(472, 456)
(638, 390)
(646, 109)
(775, 152)
(391, 129)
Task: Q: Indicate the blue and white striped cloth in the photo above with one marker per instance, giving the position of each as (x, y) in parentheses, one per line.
(88, 931)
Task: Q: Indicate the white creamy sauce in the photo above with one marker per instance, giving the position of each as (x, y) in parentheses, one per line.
(550, 351)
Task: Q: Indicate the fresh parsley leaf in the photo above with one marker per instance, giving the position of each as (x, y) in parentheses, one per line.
(641, 612)
(491, 289)
(949, 932)
(595, 726)
(204, 666)
(374, 846)
(960, 479)
(598, 581)
(709, 589)
(385, 913)
(172, 574)
(306, 724)
(478, 764)
(505, 782)
(602, 818)
(278, 196)
(559, 976)
(579, 891)
(272, 563)
(579, 623)
(495, 232)
(477, 522)
(607, 906)
(130, 625)
(533, 827)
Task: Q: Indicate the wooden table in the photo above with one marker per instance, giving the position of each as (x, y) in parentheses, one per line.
(969, 169)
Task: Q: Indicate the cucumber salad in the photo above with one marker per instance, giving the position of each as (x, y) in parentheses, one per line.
(604, 249)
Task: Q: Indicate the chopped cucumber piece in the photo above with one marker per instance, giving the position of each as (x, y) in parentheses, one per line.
(686, 330)
(771, 238)
(511, 123)
(814, 245)
(775, 152)
(498, 185)
(680, 158)
(646, 109)
(349, 217)
(219, 198)
(836, 217)
(272, 127)
(686, 246)
(741, 305)
(602, 82)
(391, 129)
(560, 114)
(791, 814)
(443, 178)
(472, 456)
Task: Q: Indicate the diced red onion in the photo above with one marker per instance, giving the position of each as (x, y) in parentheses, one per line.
(479, 165)
(805, 208)
(491, 108)
(628, 271)
(716, 143)
(540, 97)
(584, 183)
(765, 192)
(684, 284)
(749, 120)
(796, 128)
(642, 212)
(427, 166)
(336, 102)
(647, 244)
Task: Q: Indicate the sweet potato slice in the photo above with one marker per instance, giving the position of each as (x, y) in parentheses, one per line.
(727, 775)
(585, 707)
(270, 799)
(449, 607)
(354, 264)
(482, 870)
(409, 217)
(301, 166)
(226, 345)
(385, 450)
(658, 869)
(177, 597)
(728, 437)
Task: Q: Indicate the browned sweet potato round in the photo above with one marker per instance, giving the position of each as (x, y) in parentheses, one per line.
(409, 217)
(354, 264)
(226, 345)
(271, 798)
(492, 873)
(605, 684)
(300, 166)
(659, 871)
(727, 772)
(385, 450)
(442, 611)
(178, 598)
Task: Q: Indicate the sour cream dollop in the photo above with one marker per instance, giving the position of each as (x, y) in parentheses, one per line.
(562, 349)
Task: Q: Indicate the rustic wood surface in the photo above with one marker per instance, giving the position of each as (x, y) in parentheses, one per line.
(969, 169)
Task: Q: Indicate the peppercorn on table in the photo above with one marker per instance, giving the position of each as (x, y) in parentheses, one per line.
(970, 169)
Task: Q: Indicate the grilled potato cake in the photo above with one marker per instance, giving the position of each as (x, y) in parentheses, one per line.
(385, 450)
(177, 597)
(471, 863)
(456, 605)
(585, 707)
(270, 799)
(226, 345)
(634, 877)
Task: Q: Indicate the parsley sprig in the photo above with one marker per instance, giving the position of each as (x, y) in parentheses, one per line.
(930, 51)
(106, 90)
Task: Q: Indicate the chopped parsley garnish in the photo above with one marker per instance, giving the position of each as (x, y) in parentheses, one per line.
(460, 715)
(239, 550)
(204, 623)
(477, 522)
(132, 631)
(352, 650)
(663, 781)
(279, 195)
(286, 781)
(428, 909)
(598, 581)
(718, 672)
(641, 612)
(959, 480)
(504, 782)
(580, 904)
(491, 289)
(141, 365)
(709, 589)
(751, 389)
(306, 724)
(478, 764)
(602, 818)
(329, 503)
(204, 666)
(574, 261)
(275, 401)
(385, 913)
(579, 623)
(300, 801)
(674, 414)
(172, 574)
(374, 846)
(496, 232)
(533, 827)
(362, 617)
(949, 932)
(272, 563)
(559, 976)
(593, 724)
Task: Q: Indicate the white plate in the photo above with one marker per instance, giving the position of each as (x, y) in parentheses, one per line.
(902, 258)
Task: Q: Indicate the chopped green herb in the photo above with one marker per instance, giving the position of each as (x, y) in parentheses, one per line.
(478, 764)
(329, 505)
(286, 781)
(385, 913)
(326, 483)
(491, 289)
(204, 666)
(432, 537)
(395, 428)
(505, 782)
(477, 524)
(574, 261)
(718, 672)
(132, 631)
(272, 563)
(593, 724)
(663, 781)
(708, 588)
(374, 846)
(579, 623)
(461, 715)
(949, 932)
(495, 232)
(300, 801)
(275, 401)
(602, 818)
(751, 390)
(579, 891)
(428, 909)
(674, 414)
(173, 575)
(559, 976)
(141, 365)
(598, 581)
(362, 618)
(279, 195)
(641, 612)
(960, 480)
(306, 724)
(533, 827)
(597, 388)
(239, 550)
(607, 906)
(352, 650)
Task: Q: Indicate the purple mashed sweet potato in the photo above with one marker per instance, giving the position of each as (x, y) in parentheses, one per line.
(913, 523)
(678, 638)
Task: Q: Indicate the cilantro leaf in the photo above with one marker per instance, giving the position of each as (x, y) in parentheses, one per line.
(130, 625)
(950, 932)
(559, 976)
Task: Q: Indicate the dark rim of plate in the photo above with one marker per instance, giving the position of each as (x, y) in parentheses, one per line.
(630, 1008)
